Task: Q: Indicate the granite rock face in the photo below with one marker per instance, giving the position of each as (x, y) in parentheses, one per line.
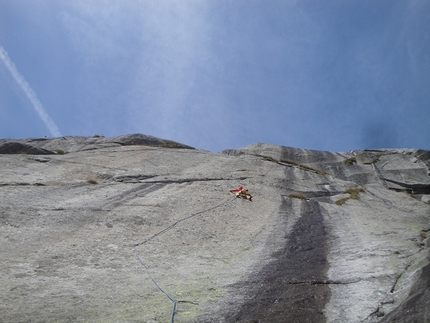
(13, 147)
(126, 229)
(38, 146)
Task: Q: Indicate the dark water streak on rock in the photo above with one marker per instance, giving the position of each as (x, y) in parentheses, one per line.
(416, 308)
(289, 290)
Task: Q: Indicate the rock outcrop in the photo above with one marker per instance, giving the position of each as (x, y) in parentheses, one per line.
(13, 147)
(126, 229)
(61, 145)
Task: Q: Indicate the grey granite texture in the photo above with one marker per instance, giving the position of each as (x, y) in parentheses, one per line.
(95, 229)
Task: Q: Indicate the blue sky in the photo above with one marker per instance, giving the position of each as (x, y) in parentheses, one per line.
(328, 75)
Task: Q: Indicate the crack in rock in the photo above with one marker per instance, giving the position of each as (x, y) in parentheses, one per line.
(323, 282)
(142, 178)
(418, 188)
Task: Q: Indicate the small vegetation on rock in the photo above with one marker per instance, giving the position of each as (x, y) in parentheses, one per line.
(341, 201)
(351, 161)
(268, 158)
(424, 233)
(59, 151)
(305, 167)
(297, 196)
(353, 194)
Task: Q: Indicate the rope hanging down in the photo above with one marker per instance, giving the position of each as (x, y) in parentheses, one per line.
(179, 221)
(172, 299)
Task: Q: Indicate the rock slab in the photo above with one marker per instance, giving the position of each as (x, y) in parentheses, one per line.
(121, 229)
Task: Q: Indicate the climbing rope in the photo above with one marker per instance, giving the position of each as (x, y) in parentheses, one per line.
(181, 220)
(172, 299)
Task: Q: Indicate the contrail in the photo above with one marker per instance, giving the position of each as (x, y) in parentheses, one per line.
(49, 123)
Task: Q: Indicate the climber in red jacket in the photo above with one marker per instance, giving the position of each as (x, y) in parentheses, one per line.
(241, 192)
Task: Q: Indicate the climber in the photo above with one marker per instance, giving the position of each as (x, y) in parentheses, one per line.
(241, 192)
(236, 189)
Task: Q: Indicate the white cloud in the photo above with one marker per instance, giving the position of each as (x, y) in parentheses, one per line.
(38, 107)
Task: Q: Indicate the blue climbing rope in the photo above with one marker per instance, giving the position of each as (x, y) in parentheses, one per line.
(172, 299)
